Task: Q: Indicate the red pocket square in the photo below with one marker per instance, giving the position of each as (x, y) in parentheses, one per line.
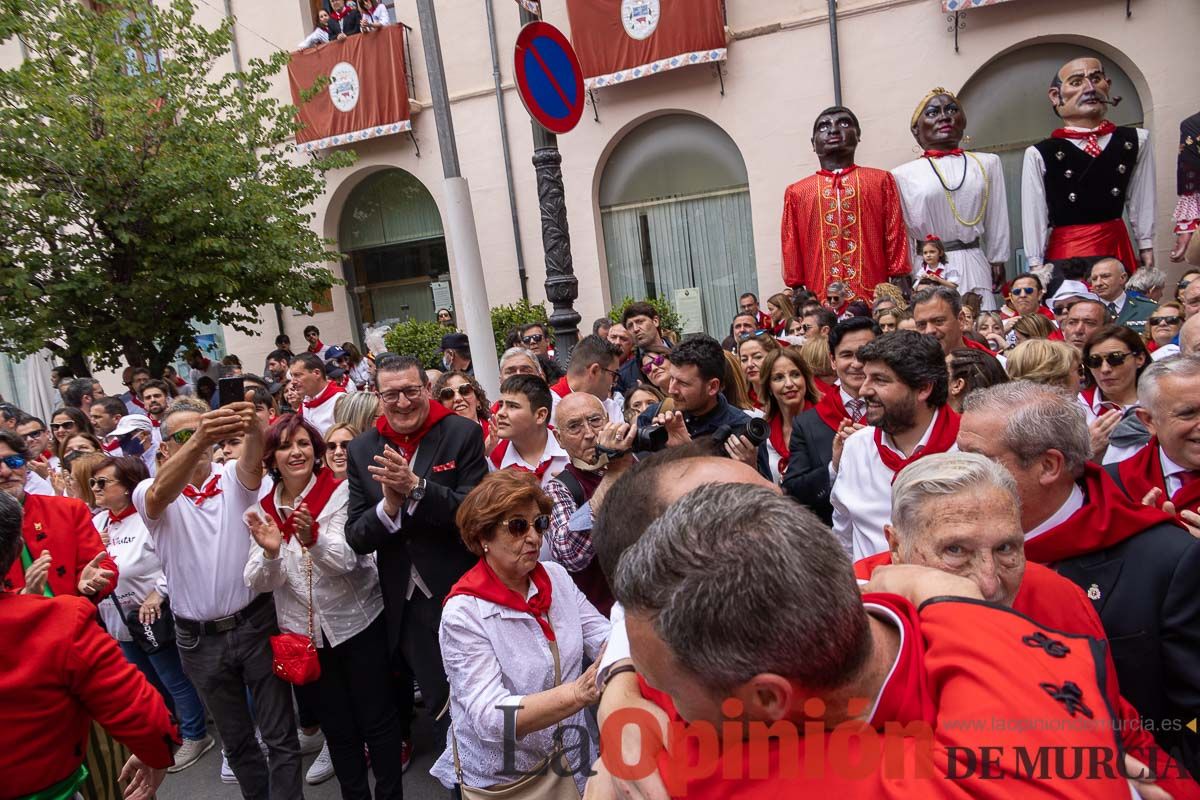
(449, 465)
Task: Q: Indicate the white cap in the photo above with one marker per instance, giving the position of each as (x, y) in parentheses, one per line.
(1069, 289)
(130, 423)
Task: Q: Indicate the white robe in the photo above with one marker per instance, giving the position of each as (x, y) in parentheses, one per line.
(926, 211)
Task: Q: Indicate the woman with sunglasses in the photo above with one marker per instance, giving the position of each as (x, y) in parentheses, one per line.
(299, 536)
(510, 627)
(1113, 360)
(140, 591)
(1162, 326)
(655, 366)
(337, 448)
(66, 421)
(462, 394)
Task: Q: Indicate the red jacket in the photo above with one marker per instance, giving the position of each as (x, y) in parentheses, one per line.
(63, 526)
(59, 671)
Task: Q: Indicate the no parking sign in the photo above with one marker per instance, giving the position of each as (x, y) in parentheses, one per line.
(549, 78)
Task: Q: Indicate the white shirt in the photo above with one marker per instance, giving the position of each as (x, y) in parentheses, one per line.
(1092, 408)
(1118, 302)
(862, 492)
(204, 548)
(1171, 472)
(36, 484)
(345, 589)
(1035, 212)
(379, 16)
(1166, 351)
(494, 656)
(139, 571)
(553, 452)
(318, 36)
(213, 371)
(320, 416)
(1073, 503)
(926, 211)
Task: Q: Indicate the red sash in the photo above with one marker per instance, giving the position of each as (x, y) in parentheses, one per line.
(497, 457)
(331, 388)
(1143, 471)
(779, 441)
(1107, 518)
(1110, 238)
(407, 443)
(316, 500)
(831, 409)
(941, 439)
(983, 348)
(480, 581)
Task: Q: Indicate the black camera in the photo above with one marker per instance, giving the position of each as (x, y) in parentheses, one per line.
(650, 438)
(756, 430)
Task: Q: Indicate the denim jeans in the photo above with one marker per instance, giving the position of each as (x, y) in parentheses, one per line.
(165, 672)
(222, 667)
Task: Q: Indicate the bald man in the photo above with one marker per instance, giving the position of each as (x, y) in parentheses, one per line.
(1076, 184)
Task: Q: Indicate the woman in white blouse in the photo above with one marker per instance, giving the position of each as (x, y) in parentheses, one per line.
(503, 624)
(374, 15)
(300, 525)
(141, 587)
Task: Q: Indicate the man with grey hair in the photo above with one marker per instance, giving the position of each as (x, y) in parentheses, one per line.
(739, 605)
(1138, 567)
(1166, 471)
(1147, 283)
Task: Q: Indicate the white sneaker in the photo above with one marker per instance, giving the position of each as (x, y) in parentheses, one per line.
(189, 753)
(321, 769)
(310, 744)
(227, 775)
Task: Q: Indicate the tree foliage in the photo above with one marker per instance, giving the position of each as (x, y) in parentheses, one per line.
(143, 189)
(422, 340)
(514, 315)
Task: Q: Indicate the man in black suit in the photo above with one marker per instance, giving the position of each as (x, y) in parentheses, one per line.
(813, 432)
(1138, 567)
(408, 477)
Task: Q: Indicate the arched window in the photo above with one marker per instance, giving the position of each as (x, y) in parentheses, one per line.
(391, 233)
(675, 209)
(1007, 111)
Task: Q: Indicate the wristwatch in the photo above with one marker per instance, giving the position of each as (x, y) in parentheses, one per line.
(418, 491)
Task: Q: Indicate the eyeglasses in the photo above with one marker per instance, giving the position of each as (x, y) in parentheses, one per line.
(834, 299)
(519, 526)
(14, 461)
(656, 361)
(535, 338)
(1112, 359)
(69, 425)
(1160, 321)
(595, 422)
(751, 334)
(616, 376)
(338, 446)
(448, 392)
(1022, 291)
(410, 393)
(29, 437)
(99, 484)
(182, 436)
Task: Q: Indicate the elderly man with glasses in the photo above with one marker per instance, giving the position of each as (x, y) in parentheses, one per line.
(408, 477)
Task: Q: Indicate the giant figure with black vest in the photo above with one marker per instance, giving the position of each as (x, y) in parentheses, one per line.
(408, 477)
(1076, 185)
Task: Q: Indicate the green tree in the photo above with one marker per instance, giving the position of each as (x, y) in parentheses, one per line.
(142, 188)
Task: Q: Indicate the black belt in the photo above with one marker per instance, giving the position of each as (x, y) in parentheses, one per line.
(223, 624)
(954, 245)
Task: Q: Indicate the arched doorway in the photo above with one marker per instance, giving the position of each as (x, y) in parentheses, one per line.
(1007, 111)
(675, 210)
(396, 261)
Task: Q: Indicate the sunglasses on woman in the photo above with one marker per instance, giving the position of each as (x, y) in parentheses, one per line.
(1164, 320)
(656, 361)
(519, 526)
(69, 425)
(1112, 359)
(448, 392)
(335, 446)
(99, 484)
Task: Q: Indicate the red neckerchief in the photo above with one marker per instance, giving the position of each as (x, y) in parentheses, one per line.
(343, 382)
(780, 442)
(480, 581)
(331, 388)
(974, 345)
(957, 151)
(831, 409)
(316, 499)
(111, 446)
(156, 423)
(318, 347)
(905, 697)
(497, 457)
(1151, 346)
(941, 439)
(764, 321)
(1143, 471)
(1107, 518)
(753, 397)
(125, 513)
(562, 388)
(407, 443)
(1089, 395)
(178, 382)
(198, 496)
(937, 272)
(1104, 129)
(47, 454)
(138, 403)
(207, 363)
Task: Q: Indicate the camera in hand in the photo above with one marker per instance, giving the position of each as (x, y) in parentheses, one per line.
(650, 438)
(756, 430)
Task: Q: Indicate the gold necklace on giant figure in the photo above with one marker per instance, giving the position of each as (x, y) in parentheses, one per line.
(950, 192)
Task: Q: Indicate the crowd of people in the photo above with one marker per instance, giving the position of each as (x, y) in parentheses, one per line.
(959, 520)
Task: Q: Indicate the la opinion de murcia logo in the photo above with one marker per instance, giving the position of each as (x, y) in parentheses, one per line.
(343, 86)
(640, 17)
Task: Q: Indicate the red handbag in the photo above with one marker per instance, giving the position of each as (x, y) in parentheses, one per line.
(295, 655)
